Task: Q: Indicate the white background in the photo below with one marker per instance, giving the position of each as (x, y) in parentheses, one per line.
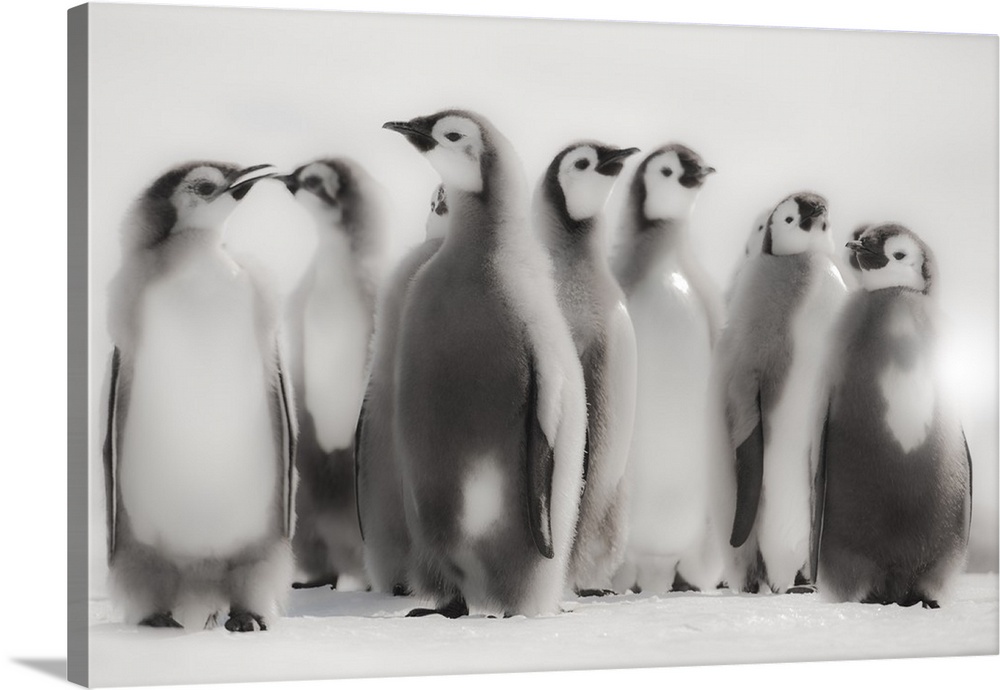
(34, 293)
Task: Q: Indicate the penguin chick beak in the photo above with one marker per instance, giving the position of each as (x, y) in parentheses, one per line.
(291, 182)
(867, 257)
(609, 161)
(417, 131)
(241, 184)
(705, 172)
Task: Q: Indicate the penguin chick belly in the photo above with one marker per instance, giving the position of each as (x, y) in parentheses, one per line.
(792, 405)
(667, 463)
(337, 326)
(199, 468)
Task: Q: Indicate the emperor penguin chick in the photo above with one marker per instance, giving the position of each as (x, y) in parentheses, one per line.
(330, 323)
(569, 215)
(200, 427)
(381, 510)
(676, 312)
(768, 378)
(490, 408)
(896, 470)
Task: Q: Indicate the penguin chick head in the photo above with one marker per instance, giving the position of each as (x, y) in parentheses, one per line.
(193, 199)
(800, 223)
(670, 178)
(579, 179)
(437, 219)
(329, 188)
(891, 255)
(455, 143)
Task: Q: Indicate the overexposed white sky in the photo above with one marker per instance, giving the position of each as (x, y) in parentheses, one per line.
(888, 126)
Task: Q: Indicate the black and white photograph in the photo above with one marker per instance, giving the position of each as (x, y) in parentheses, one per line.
(427, 344)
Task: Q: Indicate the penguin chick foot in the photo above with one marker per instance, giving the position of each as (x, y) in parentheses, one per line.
(400, 590)
(594, 592)
(241, 620)
(801, 589)
(164, 619)
(682, 585)
(456, 608)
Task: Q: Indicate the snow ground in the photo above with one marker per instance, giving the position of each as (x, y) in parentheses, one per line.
(327, 634)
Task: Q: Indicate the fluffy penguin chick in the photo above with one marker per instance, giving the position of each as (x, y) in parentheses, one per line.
(490, 402)
(569, 216)
(676, 312)
(200, 428)
(895, 468)
(330, 323)
(767, 381)
(381, 510)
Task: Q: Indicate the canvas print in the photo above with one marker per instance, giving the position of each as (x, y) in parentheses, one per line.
(474, 345)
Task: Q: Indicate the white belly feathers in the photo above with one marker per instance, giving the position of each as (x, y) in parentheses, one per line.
(199, 461)
(337, 327)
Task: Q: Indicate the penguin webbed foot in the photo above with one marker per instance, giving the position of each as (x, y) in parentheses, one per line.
(162, 619)
(242, 620)
(456, 608)
(595, 592)
(401, 590)
(802, 585)
(682, 585)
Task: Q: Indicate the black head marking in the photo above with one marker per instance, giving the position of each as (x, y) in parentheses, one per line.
(853, 258)
(694, 171)
(811, 206)
(156, 204)
(440, 203)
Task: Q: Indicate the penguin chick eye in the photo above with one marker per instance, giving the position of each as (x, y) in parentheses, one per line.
(311, 182)
(759, 228)
(582, 164)
(452, 136)
(666, 172)
(898, 256)
(205, 188)
(789, 219)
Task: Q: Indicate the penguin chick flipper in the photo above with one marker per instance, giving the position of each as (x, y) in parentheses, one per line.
(540, 467)
(358, 465)
(749, 481)
(819, 501)
(284, 415)
(968, 505)
(110, 450)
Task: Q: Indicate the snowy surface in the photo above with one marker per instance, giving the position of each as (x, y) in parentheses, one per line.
(328, 634)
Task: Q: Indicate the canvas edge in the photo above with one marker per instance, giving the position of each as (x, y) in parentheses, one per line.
(78, 308)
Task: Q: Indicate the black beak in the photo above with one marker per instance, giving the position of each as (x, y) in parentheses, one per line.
(609, 161)
(868, 257)
(291, 182)
(240, 184)
(705, 172)
(417, 131)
